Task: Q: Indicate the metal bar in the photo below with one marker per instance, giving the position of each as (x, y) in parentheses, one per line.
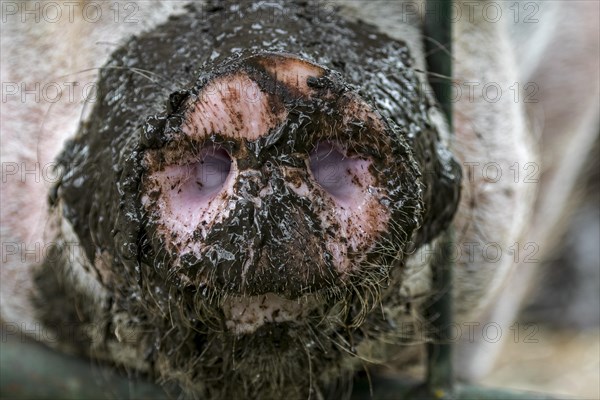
(438, 46)
(395, 389)
(30, 370)
(437, 27)
(440, 373)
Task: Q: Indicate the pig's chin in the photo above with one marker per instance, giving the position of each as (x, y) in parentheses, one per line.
(244, 315)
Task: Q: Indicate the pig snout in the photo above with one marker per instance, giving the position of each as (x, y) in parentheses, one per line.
(261, 189)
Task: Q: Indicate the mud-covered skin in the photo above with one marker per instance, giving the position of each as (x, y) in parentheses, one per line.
(174, 300)
(275, 228)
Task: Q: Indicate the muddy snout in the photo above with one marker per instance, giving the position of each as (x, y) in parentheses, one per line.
(268, 185)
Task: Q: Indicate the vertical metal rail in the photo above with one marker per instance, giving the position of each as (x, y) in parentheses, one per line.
(438, 47)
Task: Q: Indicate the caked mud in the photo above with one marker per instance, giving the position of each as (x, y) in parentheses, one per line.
(244, 193)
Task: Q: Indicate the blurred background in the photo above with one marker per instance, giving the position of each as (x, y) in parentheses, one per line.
(564, 305)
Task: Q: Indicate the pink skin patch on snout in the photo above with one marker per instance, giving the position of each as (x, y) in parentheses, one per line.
(232, 106)
(291, 71)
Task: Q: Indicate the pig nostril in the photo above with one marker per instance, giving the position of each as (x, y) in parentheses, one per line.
(337, 174)
(188, 189)
(212, 170)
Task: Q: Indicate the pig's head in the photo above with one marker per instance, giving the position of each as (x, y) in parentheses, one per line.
(246, 191)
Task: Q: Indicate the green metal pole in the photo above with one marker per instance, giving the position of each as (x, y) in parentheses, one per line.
(30, 370)
(437, 27)
(440, 373)
(438, 45)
